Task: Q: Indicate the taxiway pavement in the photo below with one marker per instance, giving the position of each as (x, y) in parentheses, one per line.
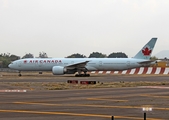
(86, 104)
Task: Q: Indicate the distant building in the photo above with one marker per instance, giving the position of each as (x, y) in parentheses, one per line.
(165, 61)
(162, 63)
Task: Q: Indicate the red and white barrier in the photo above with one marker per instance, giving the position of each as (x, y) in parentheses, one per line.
(141, 70)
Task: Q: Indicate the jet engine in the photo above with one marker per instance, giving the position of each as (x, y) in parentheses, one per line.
(58, 70)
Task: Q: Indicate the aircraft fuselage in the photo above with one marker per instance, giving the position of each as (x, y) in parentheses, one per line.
(39, 64)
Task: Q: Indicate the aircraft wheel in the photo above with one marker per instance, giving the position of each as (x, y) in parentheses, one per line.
(77, 75)
(88, 75)
(82, 75)
(19, 75)
(40, 72)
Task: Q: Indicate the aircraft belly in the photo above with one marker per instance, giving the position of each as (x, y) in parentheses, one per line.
(116, 67)
(91, 68)
(44, 68)
(105, 67)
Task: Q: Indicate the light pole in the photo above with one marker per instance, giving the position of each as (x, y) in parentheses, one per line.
(146, 109)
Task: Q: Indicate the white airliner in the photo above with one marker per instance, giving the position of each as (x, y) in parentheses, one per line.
(60, 66)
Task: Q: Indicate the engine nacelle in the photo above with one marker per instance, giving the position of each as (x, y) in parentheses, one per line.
(58, 70)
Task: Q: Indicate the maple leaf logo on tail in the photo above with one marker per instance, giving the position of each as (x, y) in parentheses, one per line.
(146, 51)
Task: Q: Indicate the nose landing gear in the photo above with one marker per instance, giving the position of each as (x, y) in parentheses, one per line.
(19, 74)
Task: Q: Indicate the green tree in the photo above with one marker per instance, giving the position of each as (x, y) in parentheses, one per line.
(43, 55)
(77, 55)
(29, 55)
(14, 57)
(117, 55)
(153, 58)
(97, 55)
(6, 59)
(5, 63)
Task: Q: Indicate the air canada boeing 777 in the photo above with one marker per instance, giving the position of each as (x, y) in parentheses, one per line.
(60, 66)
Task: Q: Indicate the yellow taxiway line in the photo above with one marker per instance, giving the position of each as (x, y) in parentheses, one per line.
(88, 105)
(75, 114)
(107, 99)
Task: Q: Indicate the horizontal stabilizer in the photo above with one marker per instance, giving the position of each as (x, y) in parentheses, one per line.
(147, 63)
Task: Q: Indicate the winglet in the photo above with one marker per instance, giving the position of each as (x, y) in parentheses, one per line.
(146, 51)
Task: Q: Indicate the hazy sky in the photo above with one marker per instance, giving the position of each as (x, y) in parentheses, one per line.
(63, 27)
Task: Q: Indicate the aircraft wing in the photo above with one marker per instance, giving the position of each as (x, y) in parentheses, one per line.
(77, 65)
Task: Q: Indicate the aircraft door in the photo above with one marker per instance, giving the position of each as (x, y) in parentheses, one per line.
(38, 65)
(19, 64)
(100, 63)
(128, 63)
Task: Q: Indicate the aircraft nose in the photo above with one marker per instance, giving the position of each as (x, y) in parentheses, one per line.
(9, 65)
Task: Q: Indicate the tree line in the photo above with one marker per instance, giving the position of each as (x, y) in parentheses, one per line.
(99, 55)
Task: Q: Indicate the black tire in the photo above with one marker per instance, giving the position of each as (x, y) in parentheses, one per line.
(88, 75)
(40, 72)
(77, 75)
(81, 75)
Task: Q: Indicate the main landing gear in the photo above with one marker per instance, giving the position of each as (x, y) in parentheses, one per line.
(82, 75)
